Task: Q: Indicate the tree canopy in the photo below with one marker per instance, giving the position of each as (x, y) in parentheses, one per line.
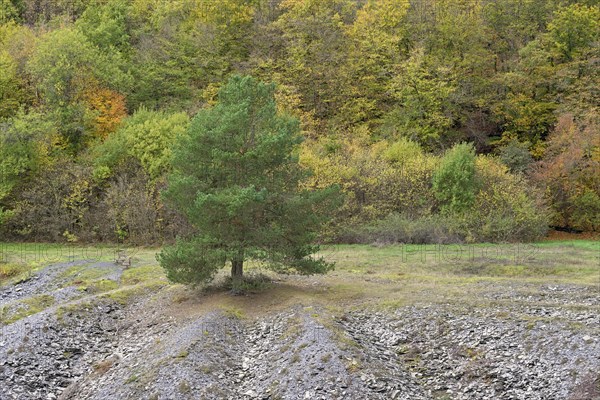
(100, 92)
(236, 177)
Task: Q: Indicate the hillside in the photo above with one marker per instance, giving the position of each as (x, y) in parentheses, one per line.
(95, 94)
(486, 322)
(300, 199)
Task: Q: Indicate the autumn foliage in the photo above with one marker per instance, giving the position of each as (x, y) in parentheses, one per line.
(94, 94)
(108, 107)
(569, 173)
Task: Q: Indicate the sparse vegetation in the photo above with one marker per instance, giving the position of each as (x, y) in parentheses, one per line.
(11, 270)
(103, 366)
(11, 313)
(234, 313)
(184, 387)
(182, 354)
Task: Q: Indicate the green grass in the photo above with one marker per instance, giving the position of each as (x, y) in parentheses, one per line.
(123, 295)
(81, 273)
(234, 313)
(73, 308)
(382, 276)
(12, 272)
(145, 273)
(93, 280)
(569, 262)
(47, 253)
(87, 279)
(11, 313)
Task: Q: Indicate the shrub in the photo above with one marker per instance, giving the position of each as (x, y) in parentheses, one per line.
(454, 180)
(9, 270)
(53, 203)
(505, 207)
(402, 151)
(585, 213)
(400, 228)
(146, 136)
(568, 173)
(516, 156)
(376, 179)
(66, 202)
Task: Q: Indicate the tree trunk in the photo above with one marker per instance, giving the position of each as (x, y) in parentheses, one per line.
(237, 271)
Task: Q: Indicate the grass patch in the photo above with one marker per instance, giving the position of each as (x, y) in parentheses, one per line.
(184, 387)
(146, 273)
(182, 354)
(234, 313)
(125, 294)
(88, 279)
(81, 273)
(567, 261)
(11, 272)
(99, 286)
(74, 308)
(103, 366)
(14, 312)
(385, 277)
(48, 253)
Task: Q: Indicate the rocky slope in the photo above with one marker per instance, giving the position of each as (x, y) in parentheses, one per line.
(131, 345)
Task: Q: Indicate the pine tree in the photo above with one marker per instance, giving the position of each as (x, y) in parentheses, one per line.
(237, 179)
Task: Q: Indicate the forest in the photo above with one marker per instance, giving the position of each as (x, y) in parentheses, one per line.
(300, 199)
(440, 121)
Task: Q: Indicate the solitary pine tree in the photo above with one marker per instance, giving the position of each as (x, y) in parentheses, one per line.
(237, 179)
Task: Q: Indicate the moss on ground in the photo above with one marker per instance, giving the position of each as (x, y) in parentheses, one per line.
(145, 273)
(14, 272)
(11, 313)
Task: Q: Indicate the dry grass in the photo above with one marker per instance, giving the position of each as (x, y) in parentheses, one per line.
(380, 276)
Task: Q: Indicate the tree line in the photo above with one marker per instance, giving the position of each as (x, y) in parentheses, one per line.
(439, 120)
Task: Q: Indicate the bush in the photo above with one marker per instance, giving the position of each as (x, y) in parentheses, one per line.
(66, 201)
(505, 207)
(454, 180)
(376, 180)
(400, 228)
(516, 156)
(52, 204)
(146, 136)
(586, 211)
(132, 208)
(10, 270)
(568, 173)
(395, 194)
